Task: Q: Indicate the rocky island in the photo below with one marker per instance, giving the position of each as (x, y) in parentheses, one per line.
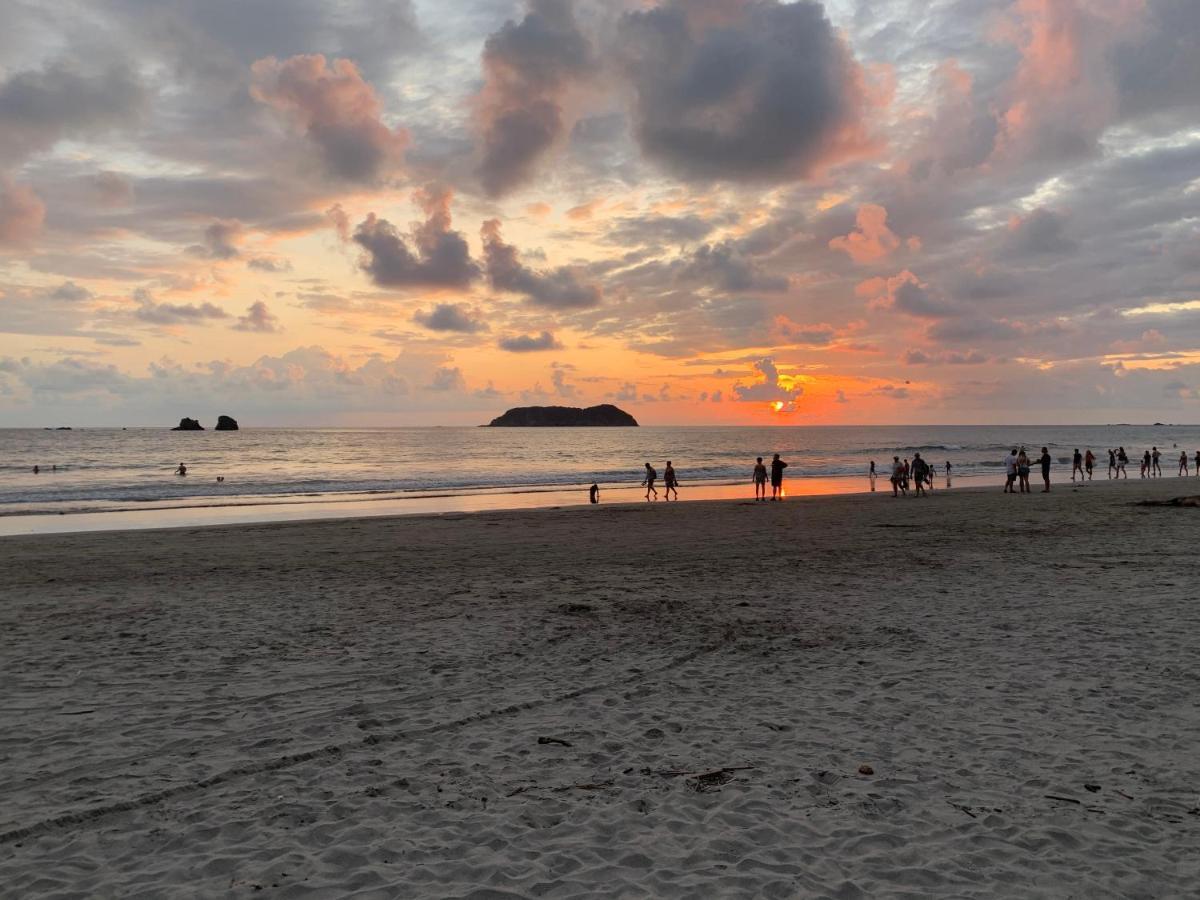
(186, 424)
(605, 415)
(226, 423)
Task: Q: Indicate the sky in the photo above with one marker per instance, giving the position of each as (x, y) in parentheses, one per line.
(404, 212)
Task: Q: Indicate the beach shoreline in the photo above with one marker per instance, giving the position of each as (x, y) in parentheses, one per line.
(663, 699)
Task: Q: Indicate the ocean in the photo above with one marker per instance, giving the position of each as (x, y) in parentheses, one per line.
(300, 472)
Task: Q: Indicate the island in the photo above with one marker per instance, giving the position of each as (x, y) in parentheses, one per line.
(226, 423)
(604, 415)
(186, 424)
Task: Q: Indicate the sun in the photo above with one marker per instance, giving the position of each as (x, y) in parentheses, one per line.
(777, 406)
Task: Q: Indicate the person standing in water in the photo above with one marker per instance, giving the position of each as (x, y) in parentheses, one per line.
(670, 482)
(1122, 462)
(1112, 462)
(1198, 462)
(1183, 464)
(948, 467)
(1045, 460)
(182, 470)
(594, 493)
(1155, 464)
(1089, 463)
(1077, 465)
(760, 480)
(651, 476)
(1145, 472)
(777, 467)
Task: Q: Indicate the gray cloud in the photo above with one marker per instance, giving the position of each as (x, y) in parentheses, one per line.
(747, 91)
(21, 212)
(528, 65)
(258, 318)
(528, 343)
(443, 258)
(451, 317)
(1040, 233)
(561, 288)
(174, 313)
(39, 108)
(337, 110)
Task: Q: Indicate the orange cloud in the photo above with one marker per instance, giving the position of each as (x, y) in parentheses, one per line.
(871, 240)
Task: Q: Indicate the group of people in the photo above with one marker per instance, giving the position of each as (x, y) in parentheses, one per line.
(917, 473)
(1083, 466)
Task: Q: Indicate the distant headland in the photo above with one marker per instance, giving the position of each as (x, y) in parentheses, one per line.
(605, 415)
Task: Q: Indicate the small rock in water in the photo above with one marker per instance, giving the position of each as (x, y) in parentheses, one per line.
(864, 769)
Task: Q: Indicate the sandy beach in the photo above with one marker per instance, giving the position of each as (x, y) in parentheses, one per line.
(970, 695)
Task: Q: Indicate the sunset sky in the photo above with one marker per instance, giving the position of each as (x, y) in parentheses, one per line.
(705, 211)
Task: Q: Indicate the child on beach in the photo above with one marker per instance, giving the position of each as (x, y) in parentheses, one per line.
(648, 484)
(777, 467)
(760, 480)
(670, 482)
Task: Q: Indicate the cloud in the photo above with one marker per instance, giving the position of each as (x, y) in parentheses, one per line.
(447, 379)
(174, 313)
(560, 288)
(443, 258)
(871, 240)
(771, 389)
(451, 317)
(528, 67)
(336, 109)
(40, 108)
(258, 319)
(269, 264)
(633, 231)
(906, 293)
(725, 266)
(528, 343)
(794, 333)
(1041, 233)
(21, 212)
(558, 377)
(112, 189)
(754, 90)
(70, 292)
(221, 240)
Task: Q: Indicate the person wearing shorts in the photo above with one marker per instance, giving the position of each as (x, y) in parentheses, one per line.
(777, 467)
(651, 475)
(670, 482)
(760, 480)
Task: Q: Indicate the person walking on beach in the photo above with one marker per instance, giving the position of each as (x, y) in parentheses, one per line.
(1145, 472)
(651, 475)
(1112, 462)
(948, 473)
(1077, 465)
(920, 471)
(898, 477)
(1010, 472)
(1089, 463)
(1183, 464)
(760, 480)
(594, 493)
(907, 473)
(1122, 462)
(182, 470)
(1045, 460)
(1155, 460)
(777, 467)
(1023, 470)
(670, 482)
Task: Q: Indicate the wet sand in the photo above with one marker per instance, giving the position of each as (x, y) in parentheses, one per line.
(627, 700)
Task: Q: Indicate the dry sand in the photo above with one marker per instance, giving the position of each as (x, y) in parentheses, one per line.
(359, 707)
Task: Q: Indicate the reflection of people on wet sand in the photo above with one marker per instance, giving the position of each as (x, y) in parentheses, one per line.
(651, 475)
(594, 493)
(670, 482)
(777, 467)
(760, 480)
(182, 470)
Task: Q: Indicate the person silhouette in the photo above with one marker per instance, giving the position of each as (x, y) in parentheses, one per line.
(182, 470)
(594, 493)
(898, 484)
(670, 482)
(760, 480)
(920, 472)
(777, 467)
(1045, 460)
(651, 475)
